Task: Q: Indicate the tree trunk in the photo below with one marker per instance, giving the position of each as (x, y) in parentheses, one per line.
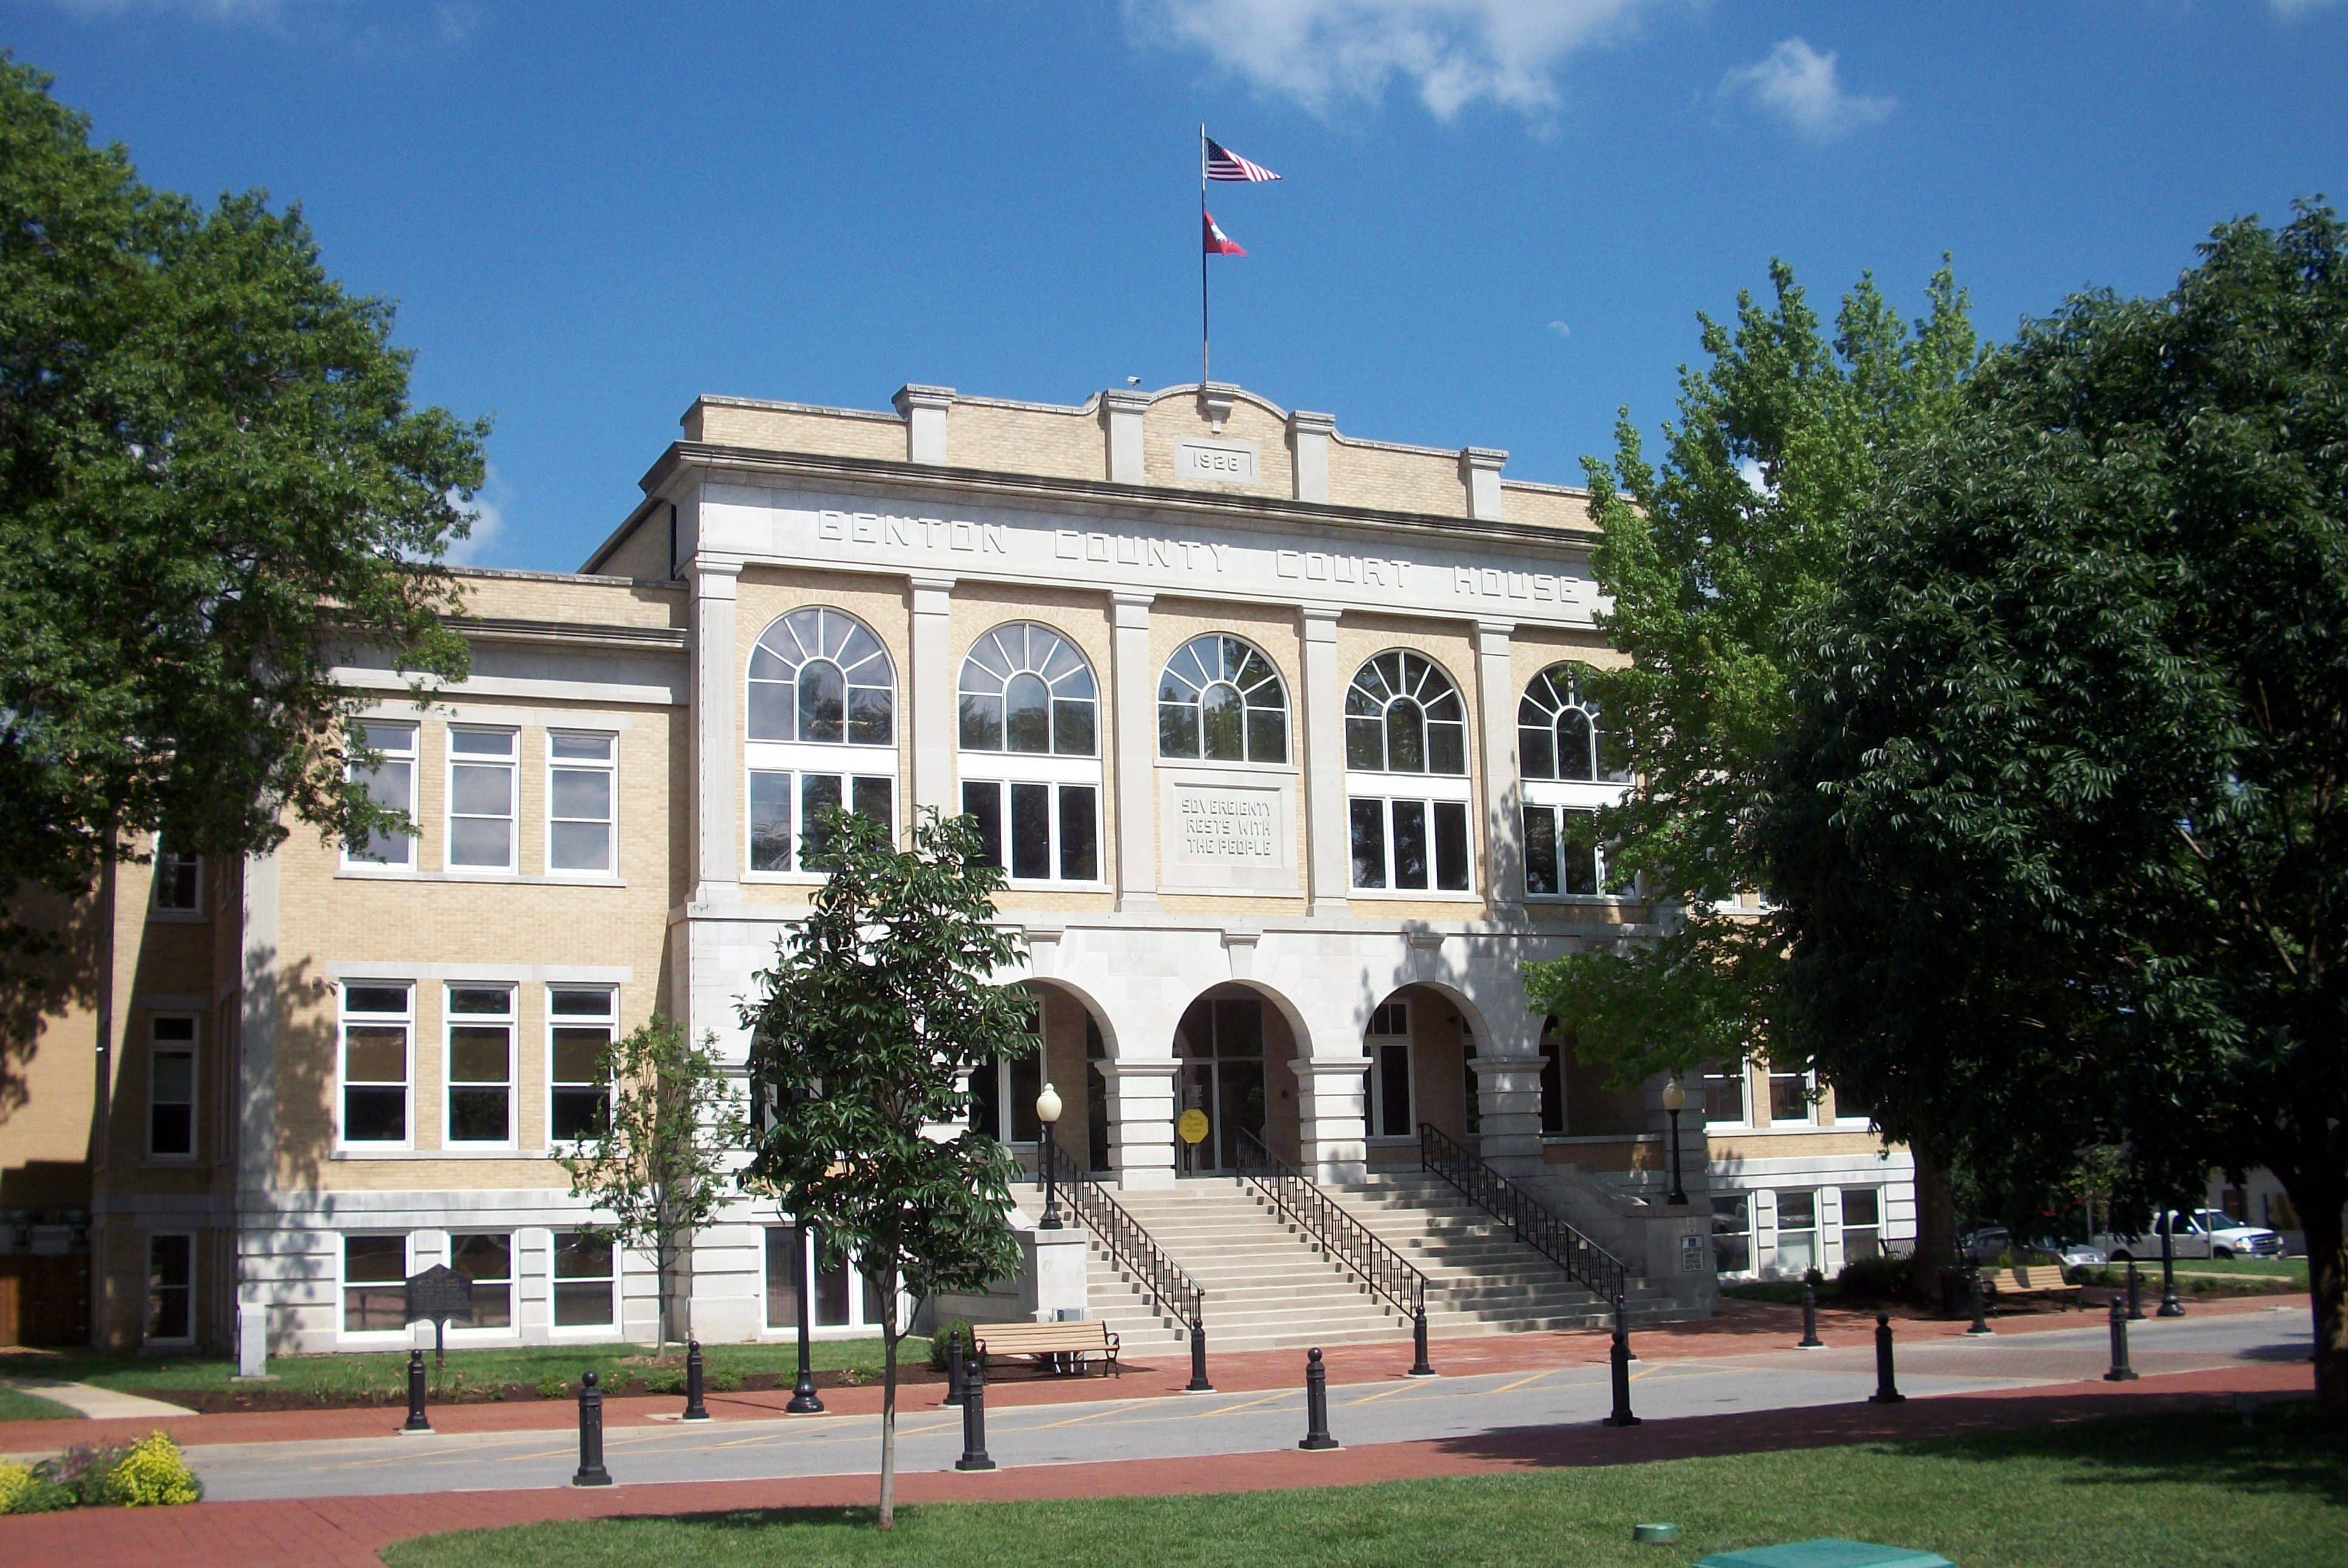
(1936, 1228)
(2318, 1201)
(888, 1397)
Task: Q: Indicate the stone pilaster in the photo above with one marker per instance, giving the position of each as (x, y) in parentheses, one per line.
(1134, 724)
(716, 712)
(931, 686)
(1503, 818)
(1140, 1122)
(1330, 842)
(1330, 1126)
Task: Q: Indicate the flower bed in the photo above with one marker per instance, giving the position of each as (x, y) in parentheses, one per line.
(149, 1473)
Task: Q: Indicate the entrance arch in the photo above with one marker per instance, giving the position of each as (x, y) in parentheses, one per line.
(1234, 1049)
(1075, 1045)
(1420, 1043)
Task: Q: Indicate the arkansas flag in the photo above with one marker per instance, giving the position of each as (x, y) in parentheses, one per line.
(1218, 243)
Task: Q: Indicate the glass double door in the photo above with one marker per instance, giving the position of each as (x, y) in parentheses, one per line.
(1220, 1045)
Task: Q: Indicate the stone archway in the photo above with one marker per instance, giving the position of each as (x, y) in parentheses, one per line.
(1235, 1049)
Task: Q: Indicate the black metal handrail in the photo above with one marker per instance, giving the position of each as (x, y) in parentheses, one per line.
(1534, 1224)
(1295, 1195)
(1175, 1292)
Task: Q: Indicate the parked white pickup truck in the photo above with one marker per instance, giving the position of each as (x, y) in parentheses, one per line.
(2204, 1232)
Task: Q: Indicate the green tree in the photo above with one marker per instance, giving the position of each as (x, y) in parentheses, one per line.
(2061, 825)
(1711, 561)
(863, 1038)
(661, 1163)
(211, 482)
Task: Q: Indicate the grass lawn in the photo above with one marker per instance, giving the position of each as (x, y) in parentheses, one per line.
(2190, 1490)
(17, 1406)
(2206, 1277)
(358, 1374)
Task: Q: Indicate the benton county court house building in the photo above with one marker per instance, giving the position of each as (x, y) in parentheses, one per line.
(1280, 734)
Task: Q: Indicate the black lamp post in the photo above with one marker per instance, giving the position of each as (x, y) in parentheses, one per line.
(803, 1395)
(1047, 1112)
(1675, 1101)
(2169, 1306)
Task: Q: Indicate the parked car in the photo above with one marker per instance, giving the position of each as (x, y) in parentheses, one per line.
(1993, 1241)
(2204, 1232)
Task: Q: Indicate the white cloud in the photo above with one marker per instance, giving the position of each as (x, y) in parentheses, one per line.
(201, 10)
(488, 510)
(1804, 89)
(2292, 10)
(1453, 53)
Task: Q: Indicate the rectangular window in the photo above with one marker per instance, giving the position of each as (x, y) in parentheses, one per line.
(1797, 1233)
(1862, 1224)
(179, 882)
(376, 1020)
(1540, 851)
(582, 1281)
(171, 1088)
(1563, 854)
(783, 1244)
(581, 1022)
(170, 1289)
(1410, 844)
(1048, 831)
(770, 822)
(1789, 1096)
(486, 1259)
(480, 1064)
(1732, 1233)
(375, 1283)
(391, 784)
(581, 795)
(774, 845)
(481, 799)
(1724, 1092)
(1390, 1097)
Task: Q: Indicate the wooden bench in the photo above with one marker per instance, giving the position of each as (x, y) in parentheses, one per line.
(1049, 1342)
(2030, 1279)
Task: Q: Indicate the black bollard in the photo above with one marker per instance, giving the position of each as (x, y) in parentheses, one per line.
(693, 1409)
(591, 1436)
(2136, 1295)
(1619, 1355)
(1623, 1326)
(2121, 1371)
(1887, 1392)
(1317, 1405)
(954, 1367)
(417, 1423)
(974, 1415)
(1809, 1339)
(1420, 1366)
(1198, 1383)
(1981, 1314)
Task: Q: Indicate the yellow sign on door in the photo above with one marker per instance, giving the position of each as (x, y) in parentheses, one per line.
(1192, 1125)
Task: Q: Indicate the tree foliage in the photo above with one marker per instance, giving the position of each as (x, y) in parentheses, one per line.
(211, 480)
(863, 1038)
(662, 1165)
(1711, 559)
(2061, 822)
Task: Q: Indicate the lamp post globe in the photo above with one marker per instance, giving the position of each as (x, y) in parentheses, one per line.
(1047, 1112)
(1675, 1101)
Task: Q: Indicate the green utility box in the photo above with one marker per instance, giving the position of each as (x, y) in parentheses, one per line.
(1828, 1553)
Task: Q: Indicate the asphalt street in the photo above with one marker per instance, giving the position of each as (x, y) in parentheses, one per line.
(1457, 1410)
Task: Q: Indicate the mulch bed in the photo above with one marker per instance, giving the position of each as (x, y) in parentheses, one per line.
(216, 1401)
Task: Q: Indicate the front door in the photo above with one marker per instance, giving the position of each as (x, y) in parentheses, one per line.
(1220, 1047)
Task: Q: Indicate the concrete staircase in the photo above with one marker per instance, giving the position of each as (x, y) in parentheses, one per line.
(1269, 1287)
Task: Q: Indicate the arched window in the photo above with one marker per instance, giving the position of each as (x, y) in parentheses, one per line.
(1221, 699)
(818, 675)
(1403, 715)
(1558, 732)
(1025, 688)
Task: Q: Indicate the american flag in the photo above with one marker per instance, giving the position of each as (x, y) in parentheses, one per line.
(1224, 164)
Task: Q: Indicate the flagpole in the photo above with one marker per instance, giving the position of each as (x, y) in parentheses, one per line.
(1202, 257)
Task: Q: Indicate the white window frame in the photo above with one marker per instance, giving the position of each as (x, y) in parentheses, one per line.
(462, 1333)
(374, 732)
(605, 1330)
(988, 769)
(845, 761)
(194, 1267)
(1379, 1037)
(1844, 1228)
(610, 768)
(609, 1021)
(1426, 789)
(1815, 1230)
(452, 1021)
(1809, 1082)
(166, 866)
(344, 1019)
(1223, 674)
(1751, 1232)
(1558, 799)
(192, 1048)
(856, 1326)
(344, 1334)
(1743, 1077)
(450, 761)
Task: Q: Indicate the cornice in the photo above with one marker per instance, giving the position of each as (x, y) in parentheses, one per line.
(576, 634)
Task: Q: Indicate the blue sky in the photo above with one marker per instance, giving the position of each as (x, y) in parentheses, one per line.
(1497, 222)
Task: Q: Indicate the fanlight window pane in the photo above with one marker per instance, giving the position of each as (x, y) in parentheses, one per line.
(1404, 715)
(1559, 732)
(1024, 687)
(1221, 700)
(818, 675)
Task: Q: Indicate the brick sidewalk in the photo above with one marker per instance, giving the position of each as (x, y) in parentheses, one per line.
(353, 1531)
(1740, 1328)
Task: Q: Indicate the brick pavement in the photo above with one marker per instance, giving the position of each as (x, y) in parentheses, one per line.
(353, 1531)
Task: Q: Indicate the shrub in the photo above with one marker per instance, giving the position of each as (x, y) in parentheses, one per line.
(721, 1382)
(665, 1382)
(553, 1386)
(153, 1474)
(946, 1331)
(1875, 1279)
(86, 1471)
(23, 1489)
